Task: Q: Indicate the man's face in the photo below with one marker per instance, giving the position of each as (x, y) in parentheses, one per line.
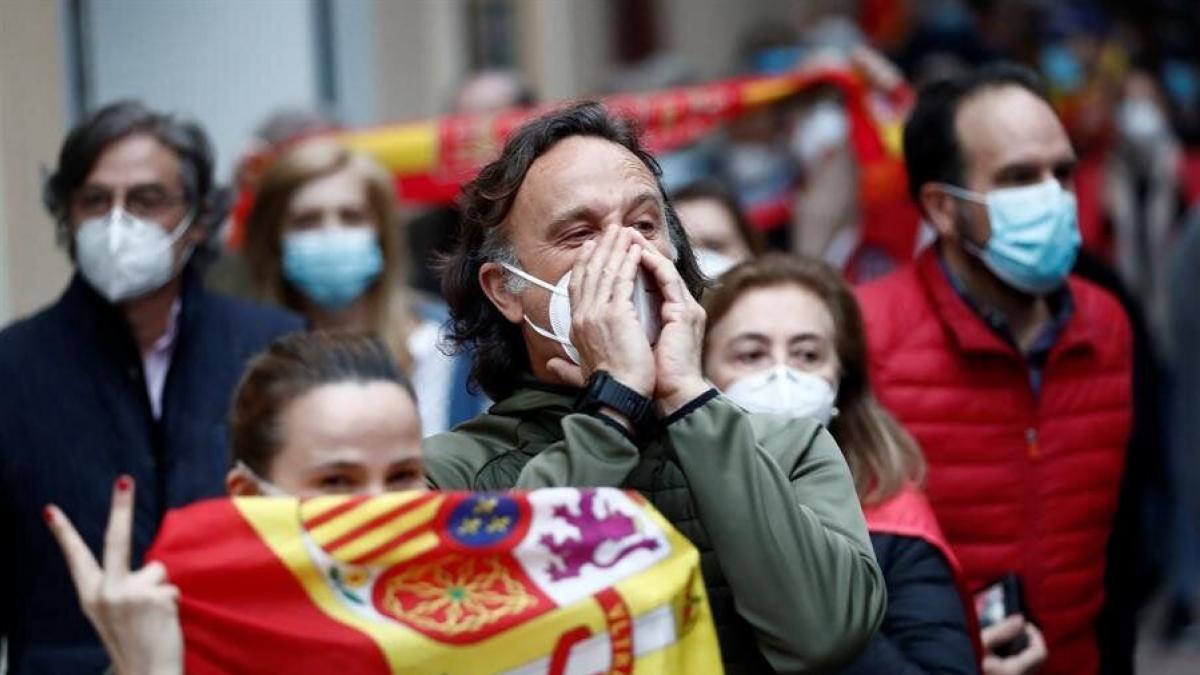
(572, 194)
(1008, 138)
(142, 177)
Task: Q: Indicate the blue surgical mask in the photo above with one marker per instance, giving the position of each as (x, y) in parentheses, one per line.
(332, 266)
(1035, 235)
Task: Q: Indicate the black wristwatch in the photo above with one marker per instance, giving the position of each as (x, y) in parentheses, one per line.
(602, 391)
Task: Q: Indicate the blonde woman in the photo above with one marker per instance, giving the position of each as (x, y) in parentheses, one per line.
(321, 239)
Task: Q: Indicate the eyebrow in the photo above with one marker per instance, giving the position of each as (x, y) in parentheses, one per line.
(406, 463)
(136, 186)
(759, 337)
(1033, 167)
(646, 196)
(585, 212)
(340, 465)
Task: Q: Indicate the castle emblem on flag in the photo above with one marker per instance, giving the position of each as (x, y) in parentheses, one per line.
(459, 598)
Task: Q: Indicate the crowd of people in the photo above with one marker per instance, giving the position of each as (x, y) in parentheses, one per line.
(944, 451)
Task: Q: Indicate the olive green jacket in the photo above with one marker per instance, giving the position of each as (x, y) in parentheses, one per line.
(768, 501)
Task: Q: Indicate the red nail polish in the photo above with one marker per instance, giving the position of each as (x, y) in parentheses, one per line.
(48, 514)
(124, 483)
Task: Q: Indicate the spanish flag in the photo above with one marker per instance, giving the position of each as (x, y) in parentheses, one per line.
(554, 581)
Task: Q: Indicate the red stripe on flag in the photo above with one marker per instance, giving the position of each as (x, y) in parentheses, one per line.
(329, 515)
(620, 630)
(377, 521)
(242, 610)
(388, 545)
(562, 648)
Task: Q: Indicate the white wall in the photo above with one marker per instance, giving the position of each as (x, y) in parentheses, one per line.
(226, 63)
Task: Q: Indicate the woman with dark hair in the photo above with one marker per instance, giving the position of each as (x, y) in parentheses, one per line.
(717, 227)
(322, 240)
(316, 414)
(785, 336)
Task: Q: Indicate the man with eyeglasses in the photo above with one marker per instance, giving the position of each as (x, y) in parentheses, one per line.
(128, 373)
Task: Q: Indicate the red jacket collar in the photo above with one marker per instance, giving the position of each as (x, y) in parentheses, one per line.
(972, 334)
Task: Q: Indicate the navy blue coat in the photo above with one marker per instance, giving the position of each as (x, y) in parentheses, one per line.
(74, 414)
(925, 627)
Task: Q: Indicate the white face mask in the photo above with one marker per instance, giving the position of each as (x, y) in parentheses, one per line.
(825, 129)
(785, 391)
(712, 264)
(124, 257)
(647, 302)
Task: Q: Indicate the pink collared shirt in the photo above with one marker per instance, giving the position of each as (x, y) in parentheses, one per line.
(157, 361)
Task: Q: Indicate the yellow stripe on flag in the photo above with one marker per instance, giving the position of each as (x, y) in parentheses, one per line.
(345, 523)
(768, 90)
(404, 149)
(379, 536)
(410, 549)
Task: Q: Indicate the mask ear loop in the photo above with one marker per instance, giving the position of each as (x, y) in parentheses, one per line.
(541, 284)
(971, 196)
(532, 279)
(268, 488)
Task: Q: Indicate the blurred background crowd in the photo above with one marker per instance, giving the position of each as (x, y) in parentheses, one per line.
(259, 75)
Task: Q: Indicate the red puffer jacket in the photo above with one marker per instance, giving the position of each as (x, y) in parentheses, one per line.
(1019, 483)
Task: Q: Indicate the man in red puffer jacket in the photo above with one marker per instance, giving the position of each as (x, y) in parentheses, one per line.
(1014, 378)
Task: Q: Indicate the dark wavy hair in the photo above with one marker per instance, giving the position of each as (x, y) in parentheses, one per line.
(497, 346)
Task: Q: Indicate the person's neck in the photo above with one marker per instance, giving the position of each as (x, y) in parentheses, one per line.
(359, 315)
(148, 316)
(1026, 314)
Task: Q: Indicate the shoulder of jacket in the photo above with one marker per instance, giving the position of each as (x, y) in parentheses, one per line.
(1103, 310)
(889, 305)
(267, 318)
(26, 336)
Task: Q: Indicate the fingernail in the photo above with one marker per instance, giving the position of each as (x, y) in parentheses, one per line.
(124, 483)
(48, 514)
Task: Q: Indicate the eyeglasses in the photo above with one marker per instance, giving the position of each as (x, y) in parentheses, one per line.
(143, 201)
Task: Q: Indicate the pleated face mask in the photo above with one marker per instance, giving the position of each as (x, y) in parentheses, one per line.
(647, 302)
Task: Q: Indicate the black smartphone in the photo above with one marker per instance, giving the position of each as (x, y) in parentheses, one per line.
(998, 601)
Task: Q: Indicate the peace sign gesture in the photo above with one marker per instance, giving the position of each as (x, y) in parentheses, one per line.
(135, 613)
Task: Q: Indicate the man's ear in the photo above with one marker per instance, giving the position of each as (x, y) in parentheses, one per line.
(238, 483)
(941, 210)
(493, 279)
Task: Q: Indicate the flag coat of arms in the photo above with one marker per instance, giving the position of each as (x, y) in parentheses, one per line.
(561, 581)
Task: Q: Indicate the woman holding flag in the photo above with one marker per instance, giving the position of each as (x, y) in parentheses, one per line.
(317, 413)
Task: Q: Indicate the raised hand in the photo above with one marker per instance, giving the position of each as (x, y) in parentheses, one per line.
(604, 323)
(135, 613)
(677, 354)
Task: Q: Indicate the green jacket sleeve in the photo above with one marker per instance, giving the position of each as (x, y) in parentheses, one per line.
(778, 502)
(592, 454)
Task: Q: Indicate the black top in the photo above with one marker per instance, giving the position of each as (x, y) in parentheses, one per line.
(925, 628)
